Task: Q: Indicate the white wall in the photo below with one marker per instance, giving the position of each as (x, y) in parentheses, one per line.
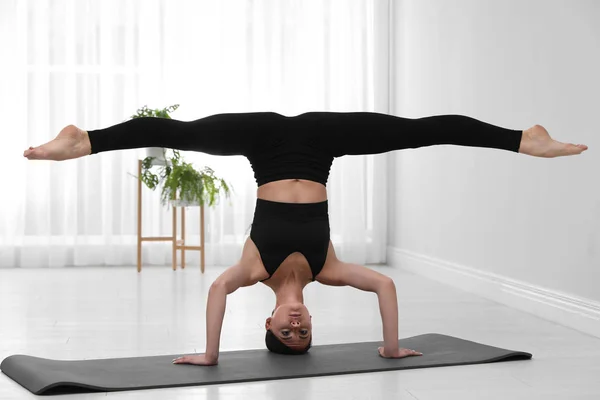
(512, 63)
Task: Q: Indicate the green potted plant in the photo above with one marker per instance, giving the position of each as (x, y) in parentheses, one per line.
(178, 178)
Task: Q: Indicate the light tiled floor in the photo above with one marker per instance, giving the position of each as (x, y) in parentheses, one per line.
(78, 313)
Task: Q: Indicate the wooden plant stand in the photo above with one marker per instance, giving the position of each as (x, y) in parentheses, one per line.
(177, 244)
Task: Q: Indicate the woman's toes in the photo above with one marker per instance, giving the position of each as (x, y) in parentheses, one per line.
(577, 148)
(35, 154)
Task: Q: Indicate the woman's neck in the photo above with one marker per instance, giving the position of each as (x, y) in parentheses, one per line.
(289, 292)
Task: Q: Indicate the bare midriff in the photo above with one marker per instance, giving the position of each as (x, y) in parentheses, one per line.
(293, 191)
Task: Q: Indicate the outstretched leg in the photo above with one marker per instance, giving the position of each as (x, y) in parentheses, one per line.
(220, 134)
(356, 133)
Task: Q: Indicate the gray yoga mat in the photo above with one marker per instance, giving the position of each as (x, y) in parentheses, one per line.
(43, 376)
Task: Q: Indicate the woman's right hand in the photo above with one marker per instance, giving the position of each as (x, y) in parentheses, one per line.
(400, 353)
(198, 359)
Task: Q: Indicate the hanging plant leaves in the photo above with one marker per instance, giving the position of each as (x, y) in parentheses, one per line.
(178, 178)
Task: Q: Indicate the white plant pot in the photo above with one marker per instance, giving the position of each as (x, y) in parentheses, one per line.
(156, 152)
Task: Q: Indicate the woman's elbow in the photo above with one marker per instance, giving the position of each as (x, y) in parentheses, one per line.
(221, 286)
(386, 284)
(218, 286)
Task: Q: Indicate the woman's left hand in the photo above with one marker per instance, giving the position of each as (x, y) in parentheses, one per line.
(199, 359)
(399, 353)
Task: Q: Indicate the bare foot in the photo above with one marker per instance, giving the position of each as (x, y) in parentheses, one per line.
(537, 142)
(70, 143)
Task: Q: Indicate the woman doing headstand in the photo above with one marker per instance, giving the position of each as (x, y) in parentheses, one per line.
(289, 244)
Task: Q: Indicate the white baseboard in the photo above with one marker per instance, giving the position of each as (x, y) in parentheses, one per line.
(570, 311)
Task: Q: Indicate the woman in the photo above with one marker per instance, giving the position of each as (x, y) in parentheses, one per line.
(289, 244)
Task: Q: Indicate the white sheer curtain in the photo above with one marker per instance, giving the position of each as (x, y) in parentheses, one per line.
(92, 63)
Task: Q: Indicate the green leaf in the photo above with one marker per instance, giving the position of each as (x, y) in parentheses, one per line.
(178, 177)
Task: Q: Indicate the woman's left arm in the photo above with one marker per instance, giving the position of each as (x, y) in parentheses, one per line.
(339, 273)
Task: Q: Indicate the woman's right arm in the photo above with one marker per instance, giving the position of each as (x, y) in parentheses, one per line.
(228, 282)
